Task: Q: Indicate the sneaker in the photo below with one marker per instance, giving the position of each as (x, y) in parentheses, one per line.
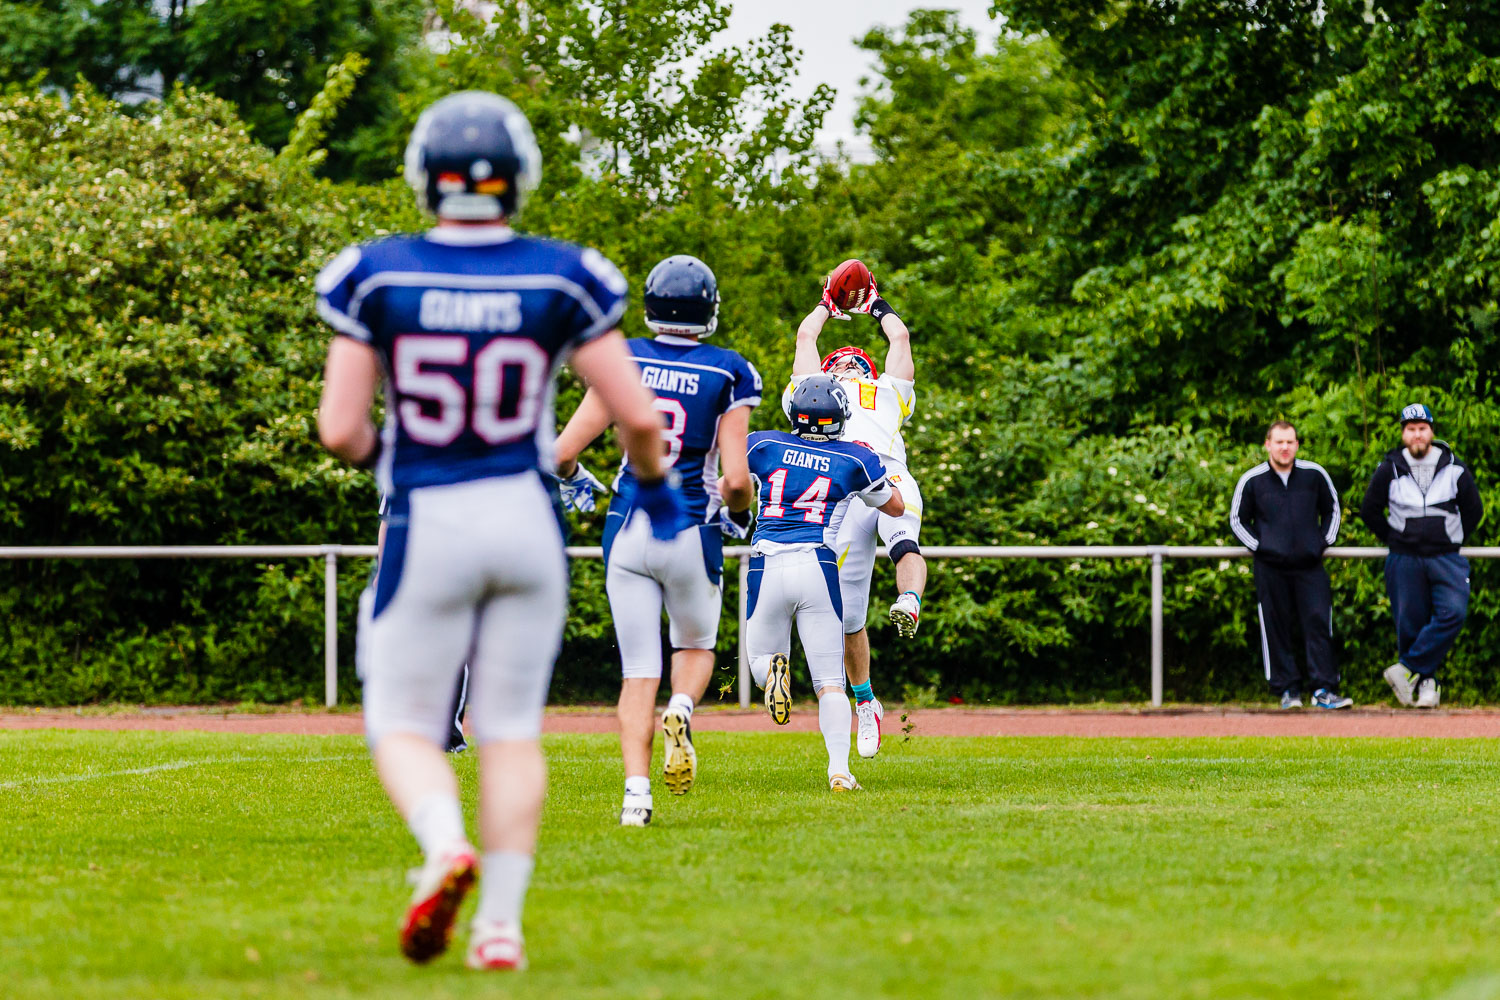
(779, 689)
(1402, 681)
(496, 944)
(680, 764)
(1291, 699)
(868, 740)
(1427, 692)
(904, 614)
(443, 882)
(1324, 698)
(636, 811)
(843, 783)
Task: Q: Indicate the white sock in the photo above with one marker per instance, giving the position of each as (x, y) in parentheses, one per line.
(638, 784)
(436, 821)
(502, 886)
(683, 702)
(834, 718)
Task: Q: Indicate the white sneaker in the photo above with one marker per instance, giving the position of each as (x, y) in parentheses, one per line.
(1402, 681)
(843, 783)
(1427, 693)
(904, 614)
(495, 944)
(868, 740)
(442, 883)
(636, 811)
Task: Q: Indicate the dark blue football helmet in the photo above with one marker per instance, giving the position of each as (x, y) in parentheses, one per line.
(472, 157)
(682, 296)
(820, 408)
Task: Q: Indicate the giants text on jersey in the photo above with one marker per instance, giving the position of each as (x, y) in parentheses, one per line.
(805, 487)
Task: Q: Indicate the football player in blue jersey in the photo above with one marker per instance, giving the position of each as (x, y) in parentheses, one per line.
(807, 480)
(704, 395)
(466, 324)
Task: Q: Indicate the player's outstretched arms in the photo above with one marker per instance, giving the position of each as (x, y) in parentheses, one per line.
(583, 427)
(898, 360)
(807, 361)
(349, 383)
(895, 506)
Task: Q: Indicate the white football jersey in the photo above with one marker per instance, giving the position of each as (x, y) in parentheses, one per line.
(881, 407)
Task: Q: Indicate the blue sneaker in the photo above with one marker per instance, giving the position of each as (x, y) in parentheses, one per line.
(1291, 699)
(1325, 698)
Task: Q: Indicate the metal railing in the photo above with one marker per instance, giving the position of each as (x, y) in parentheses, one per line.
(1157, 554)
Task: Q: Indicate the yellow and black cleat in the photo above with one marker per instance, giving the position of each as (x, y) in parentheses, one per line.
(779, 689)
(680, 766)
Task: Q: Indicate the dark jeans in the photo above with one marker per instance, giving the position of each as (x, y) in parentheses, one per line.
(1429, 600)
(1302, 596)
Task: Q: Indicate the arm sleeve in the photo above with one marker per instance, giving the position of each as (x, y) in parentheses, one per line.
(1328, 508)
(747, 386)
(336, 285)
(1372, 508)
(598, 292)
(1242, 512)
(906, 395)
(878, 488)
(1470, 506)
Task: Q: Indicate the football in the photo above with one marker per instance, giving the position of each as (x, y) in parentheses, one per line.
(849, 284)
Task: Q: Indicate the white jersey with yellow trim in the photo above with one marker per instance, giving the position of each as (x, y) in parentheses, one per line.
(881, 407)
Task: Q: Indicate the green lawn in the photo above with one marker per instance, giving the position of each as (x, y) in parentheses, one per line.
(192, 865)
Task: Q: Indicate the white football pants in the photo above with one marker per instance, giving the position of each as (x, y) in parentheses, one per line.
(799, 587)
(855, 544)
(642, 575)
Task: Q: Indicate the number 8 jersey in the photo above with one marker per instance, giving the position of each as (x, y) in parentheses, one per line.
(805, 487)
(470, 323)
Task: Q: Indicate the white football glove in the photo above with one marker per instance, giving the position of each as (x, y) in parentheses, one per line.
(734, 525)
(577, 491)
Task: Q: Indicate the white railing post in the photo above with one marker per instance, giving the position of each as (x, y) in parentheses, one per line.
(1156, 625)
(744, 682)
(331, 628)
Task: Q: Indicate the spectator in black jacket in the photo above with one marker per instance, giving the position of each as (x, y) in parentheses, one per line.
(1422, 503)
(1286, 511)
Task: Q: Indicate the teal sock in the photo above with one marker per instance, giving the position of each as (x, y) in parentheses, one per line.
(863, 693)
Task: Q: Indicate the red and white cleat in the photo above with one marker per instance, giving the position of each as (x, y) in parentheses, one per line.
(904, 614)
(496, 945)
(443, 883)
(867, 740)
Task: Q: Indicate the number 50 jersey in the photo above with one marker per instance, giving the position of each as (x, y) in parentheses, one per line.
(805, 487)
(470, 323)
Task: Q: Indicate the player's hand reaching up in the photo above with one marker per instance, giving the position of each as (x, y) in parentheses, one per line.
(828, 302)
(871, 294)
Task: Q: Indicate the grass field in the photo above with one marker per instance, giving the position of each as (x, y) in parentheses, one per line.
(193, 865)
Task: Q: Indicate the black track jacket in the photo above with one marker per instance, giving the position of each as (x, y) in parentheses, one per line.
(1422, 525)
(1288, 525)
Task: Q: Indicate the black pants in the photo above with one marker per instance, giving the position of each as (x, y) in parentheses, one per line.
(1302, 596)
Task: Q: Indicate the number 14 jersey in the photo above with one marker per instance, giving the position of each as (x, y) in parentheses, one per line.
(805, 487)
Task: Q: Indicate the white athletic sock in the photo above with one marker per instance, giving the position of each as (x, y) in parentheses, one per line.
(436, 821)
(834, 719)
(637, 785)
(683, 702)
(502, 886)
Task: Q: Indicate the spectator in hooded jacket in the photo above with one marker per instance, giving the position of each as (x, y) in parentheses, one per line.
(1286, 512)
(1422, 504)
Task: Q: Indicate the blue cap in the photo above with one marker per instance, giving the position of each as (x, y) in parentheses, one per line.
(1414, 412)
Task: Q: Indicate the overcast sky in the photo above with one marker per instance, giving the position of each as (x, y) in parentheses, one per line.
(825, 31)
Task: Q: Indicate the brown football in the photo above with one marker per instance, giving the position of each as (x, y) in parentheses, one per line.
(849, 284)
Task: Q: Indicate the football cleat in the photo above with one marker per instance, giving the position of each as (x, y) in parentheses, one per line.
(904, 614)
(843, 783)
(635, 810)
(1427, 692)
(779, 689)
(680, 765)
(1402, 681)
(1324, 698)
(1291, 699)
(495, 944)
(867, 740)
(443, 882)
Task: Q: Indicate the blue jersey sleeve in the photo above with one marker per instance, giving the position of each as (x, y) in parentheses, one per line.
(747, 386)
(600, 305)
(336, 285)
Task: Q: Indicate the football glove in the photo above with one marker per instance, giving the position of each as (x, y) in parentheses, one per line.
(662, 503)
(826, 302)
(871, 295)
(577, 491)
(734, 524)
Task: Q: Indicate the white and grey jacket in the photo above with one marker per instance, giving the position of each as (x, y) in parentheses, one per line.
(1422, 524)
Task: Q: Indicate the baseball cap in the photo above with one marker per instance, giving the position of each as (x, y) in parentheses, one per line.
(1416, 411)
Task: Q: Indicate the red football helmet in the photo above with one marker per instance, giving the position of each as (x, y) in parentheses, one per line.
(854, 354)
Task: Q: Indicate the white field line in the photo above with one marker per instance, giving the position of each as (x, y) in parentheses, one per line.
(172, 765)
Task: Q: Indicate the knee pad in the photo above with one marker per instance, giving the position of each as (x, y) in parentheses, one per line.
(902, 549)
